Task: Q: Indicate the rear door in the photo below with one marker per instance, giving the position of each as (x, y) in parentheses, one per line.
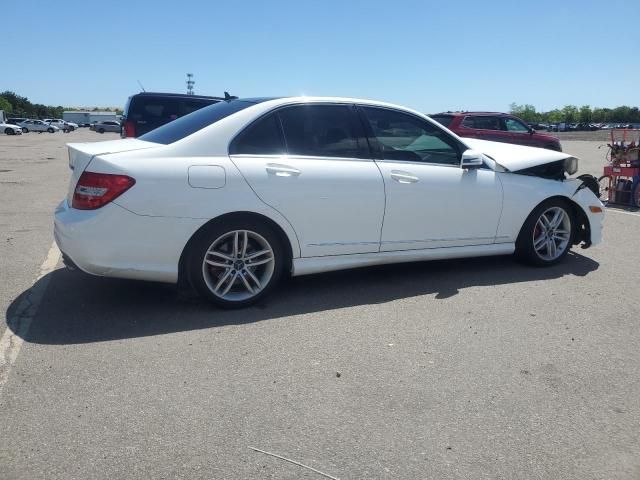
(484, 127)
(311, 163)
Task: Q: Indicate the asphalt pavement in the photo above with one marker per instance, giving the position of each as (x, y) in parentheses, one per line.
(465, 369)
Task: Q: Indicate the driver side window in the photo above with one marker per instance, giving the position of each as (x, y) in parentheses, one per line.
(408, 138)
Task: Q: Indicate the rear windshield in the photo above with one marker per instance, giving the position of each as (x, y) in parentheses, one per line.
(185, 126)
(149, 107)
(444, 120)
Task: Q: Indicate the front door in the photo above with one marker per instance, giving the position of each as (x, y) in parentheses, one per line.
(430, 201)
(312, 164)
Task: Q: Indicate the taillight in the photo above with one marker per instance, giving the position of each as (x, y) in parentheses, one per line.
(129, 129)
(94, 190)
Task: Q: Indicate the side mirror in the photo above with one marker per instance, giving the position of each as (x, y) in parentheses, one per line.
(532, 130)
(471, 158)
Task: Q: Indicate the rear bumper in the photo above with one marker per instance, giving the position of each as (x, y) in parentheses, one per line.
(113, 242)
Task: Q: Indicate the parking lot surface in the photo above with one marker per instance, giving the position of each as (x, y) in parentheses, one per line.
(465, 369)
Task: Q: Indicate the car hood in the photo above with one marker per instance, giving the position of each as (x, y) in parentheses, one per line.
(516, 157)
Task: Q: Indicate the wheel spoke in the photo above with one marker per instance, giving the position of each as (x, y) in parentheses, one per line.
(230, 284)
(218, 264)
(539, 243)
(254, 278)
(236, 236)
(551, 248)
(220, 254)
(558, 216)
(245, 240)
(247, 284)
(222, 280)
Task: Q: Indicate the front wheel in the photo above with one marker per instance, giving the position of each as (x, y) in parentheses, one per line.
(25, 130)
(235, 264)
(635, 195)
(50, 130)
(604, 183)
(545, 237)
(9, 131)
(101, 130)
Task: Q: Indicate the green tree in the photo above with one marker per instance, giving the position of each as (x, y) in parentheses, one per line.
(525, 112)
(585, 114)
(570, 113)
(5, 105)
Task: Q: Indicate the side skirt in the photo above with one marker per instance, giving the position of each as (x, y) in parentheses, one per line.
(306, 266)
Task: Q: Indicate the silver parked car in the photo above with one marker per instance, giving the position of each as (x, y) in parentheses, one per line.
(37, 126)
(108, 126)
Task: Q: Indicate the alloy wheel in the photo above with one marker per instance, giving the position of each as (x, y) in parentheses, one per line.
(552, 234)
(238, 265)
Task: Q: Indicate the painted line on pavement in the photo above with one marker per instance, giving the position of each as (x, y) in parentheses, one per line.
(19, 323)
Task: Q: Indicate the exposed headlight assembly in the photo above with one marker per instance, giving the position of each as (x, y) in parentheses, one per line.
(571, 165)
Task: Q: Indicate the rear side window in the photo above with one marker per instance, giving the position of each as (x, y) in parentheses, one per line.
(263, 137)
(444, 120)
(483, 122)
(320, 131)
(185, 126)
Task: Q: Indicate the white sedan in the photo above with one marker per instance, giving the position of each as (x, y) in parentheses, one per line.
(9, 129)
(37, 126)
(61, 124)
(234, 196)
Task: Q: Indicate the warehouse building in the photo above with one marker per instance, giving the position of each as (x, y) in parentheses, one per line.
(86, 117)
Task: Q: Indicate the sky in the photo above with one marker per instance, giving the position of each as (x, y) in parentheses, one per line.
(428, 55)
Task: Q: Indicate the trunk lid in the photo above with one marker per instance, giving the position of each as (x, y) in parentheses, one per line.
(81, 154)
(515, 157)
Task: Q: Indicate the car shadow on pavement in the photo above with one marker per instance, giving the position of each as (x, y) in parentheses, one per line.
(79, 308)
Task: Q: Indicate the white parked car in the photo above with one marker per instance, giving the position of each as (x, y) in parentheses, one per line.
(236, 195)
(37, 126)
(9, 129)
(61, 124)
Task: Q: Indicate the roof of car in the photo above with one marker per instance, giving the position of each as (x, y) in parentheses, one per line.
(457, 114)
(179, 95)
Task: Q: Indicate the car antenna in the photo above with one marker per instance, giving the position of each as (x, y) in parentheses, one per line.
(141, 85)
(228, 97)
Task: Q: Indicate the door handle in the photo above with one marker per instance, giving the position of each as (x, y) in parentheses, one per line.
(282, 170)
(403, 177)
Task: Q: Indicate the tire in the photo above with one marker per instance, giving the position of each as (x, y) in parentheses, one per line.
(9, 131)
(635, 195)
(545, 239)
(604, 183)
(25, 130)
(101, 130)
(225, 279)
(50, 130)
(71, 129)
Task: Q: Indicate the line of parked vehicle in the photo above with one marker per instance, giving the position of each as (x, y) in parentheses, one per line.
(18, 126)
(579, 127)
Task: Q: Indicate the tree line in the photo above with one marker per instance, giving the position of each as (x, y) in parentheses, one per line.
(18, 106)
(574, 114)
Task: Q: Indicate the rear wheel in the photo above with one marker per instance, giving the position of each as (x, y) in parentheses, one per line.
(545, 237)
(235, 264)
(605, 184)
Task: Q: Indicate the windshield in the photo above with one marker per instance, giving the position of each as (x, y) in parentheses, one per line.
(185, 126)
